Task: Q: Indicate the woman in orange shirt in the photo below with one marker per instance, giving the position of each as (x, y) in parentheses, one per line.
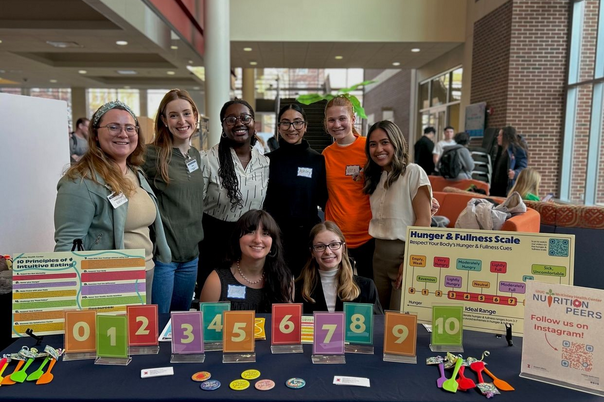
(347, 205)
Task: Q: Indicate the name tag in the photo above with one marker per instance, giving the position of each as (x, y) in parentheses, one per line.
(305, 172)
(192, 165)
(117, 200)
(236, 292)
(353, 170)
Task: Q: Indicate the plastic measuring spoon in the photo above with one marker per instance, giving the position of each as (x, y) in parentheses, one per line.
(38, 373)
(21, 375)
(7, 380)
(478, 366)
(442, 378)
(501, 384)
(451, 385)
(47, 377)
(464, 382)
(3, 366)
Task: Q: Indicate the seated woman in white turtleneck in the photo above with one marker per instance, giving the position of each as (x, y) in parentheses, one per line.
(327, 279)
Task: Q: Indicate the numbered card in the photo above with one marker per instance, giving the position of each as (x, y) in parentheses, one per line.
(238, 331)
(187, 332)
(359, 323)
(112, 336)
(142, 325)
(212, 320)
(329, 334)
(400, 334)
(286, 325)
(80, 331)
(447, 326)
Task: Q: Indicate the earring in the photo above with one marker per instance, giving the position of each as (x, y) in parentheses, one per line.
(223, 135)
(272, 253)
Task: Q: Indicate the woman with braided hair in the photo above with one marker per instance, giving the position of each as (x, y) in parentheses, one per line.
(235, 181)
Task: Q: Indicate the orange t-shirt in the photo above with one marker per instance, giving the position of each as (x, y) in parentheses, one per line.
(347, 205)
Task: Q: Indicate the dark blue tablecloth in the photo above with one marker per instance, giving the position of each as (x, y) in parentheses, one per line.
(82, 380)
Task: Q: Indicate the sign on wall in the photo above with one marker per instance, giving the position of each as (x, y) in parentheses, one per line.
(475, 119)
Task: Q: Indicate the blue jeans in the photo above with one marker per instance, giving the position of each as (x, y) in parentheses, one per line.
(173, 285)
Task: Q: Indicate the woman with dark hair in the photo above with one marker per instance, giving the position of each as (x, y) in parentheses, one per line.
(173, 169)
(511, 159)
(253, 275)
(104, 199)
(296, 185)
(400, 196)
(235, 181)
(327, 279)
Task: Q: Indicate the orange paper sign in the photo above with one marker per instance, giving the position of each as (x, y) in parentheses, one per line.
(400, 334)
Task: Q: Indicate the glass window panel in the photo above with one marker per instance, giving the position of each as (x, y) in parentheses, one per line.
(97, 97)
(453, 117)
(600, 168)
(424, 95)
(440, 87)
(580, 144)
(456, 85)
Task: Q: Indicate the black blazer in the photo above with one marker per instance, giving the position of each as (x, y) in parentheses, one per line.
(368, 295)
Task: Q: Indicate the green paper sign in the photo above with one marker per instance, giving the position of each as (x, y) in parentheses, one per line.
(112, 336)
(447, 325)
(359, 323)
(212, 320)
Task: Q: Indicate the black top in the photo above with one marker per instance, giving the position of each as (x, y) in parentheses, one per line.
(423, 154)
(240, 296)
(368, 295)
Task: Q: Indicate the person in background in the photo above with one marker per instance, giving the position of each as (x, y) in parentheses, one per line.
(296, 186)
(510, 160)
(347, 206)
(462, 140)
(400, 195)
(437, 152)
(273, 143)
(173, 169)
(254, 274)
(104, 200)
(423, 150)
(327, 279)
(527, 184)
(235, 181)
(78, 140)
(260, 145)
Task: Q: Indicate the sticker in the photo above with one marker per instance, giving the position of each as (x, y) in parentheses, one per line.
(239, 385)
(264, 385)
(117, 200)
(236, 292)
(305, 172)
(192, 165)
(210, 385)
(295, 383)
(250, 374)
(353, 170)
(201, 376)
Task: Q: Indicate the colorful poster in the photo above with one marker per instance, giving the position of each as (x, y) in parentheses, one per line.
(562, 325)
(485, 271)
(46, 284)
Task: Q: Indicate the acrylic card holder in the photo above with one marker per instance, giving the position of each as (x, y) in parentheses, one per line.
(143, 329)
(447, 329)
(328, 342)
(400, 338)
(238, 337)
(358, 334)
(187, 337)
(80, 335)
(286, 328)
(112, 340)
(212, 324)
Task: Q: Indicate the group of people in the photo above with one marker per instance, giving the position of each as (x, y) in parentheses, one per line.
(246, 227)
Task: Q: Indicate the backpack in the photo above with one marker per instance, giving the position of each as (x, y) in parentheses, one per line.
(449, 165)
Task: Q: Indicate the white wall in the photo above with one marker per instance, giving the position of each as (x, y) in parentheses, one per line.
(33, 155)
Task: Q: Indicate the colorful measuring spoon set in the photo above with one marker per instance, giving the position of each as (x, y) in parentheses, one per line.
(24, 358)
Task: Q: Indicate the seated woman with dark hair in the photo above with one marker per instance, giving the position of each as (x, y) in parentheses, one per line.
(254, 275)
(327, 279)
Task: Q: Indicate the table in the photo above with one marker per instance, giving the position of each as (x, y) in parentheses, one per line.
(79, 380)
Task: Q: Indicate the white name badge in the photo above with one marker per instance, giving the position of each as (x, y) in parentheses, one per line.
(117, 200)
(236, 292)
(305, 172)
(192, 165)
(353, 170)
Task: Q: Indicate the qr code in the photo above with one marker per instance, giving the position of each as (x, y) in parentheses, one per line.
(558, 247)
(578, 356)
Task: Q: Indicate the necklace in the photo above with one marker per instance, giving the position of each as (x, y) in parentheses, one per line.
(247, 280)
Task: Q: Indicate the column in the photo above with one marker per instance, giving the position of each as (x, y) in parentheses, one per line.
(79, 105)
(249, 86)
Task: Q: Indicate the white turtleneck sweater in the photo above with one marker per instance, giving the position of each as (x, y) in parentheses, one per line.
(330, 288)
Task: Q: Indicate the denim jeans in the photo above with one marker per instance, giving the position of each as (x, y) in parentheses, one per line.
(173, 285)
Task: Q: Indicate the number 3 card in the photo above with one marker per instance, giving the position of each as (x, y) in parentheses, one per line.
(187, 332)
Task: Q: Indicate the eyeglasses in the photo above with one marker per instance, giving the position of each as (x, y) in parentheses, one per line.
(115, 129)
(232, 120)
(298, 124)
(334, 245)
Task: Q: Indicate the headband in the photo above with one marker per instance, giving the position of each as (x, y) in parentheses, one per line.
(342, 93)
(109, 106)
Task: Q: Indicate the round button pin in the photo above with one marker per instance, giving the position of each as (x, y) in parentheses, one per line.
(264, 385)
(210, 385)
(239, 385)
(295, 383)
(201, 376)
(250, 374)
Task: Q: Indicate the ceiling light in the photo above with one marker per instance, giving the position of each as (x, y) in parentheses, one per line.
(415, 50)
(126, 72)
(82, 71)
(396, 63)
(339, 57)
(0, 40)
(53, 81)
(126, 86)
(253, 63)
(190, 61)
(121, 43)
(247, 49)
(174, 47)
(63, 45)
(170, 72)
